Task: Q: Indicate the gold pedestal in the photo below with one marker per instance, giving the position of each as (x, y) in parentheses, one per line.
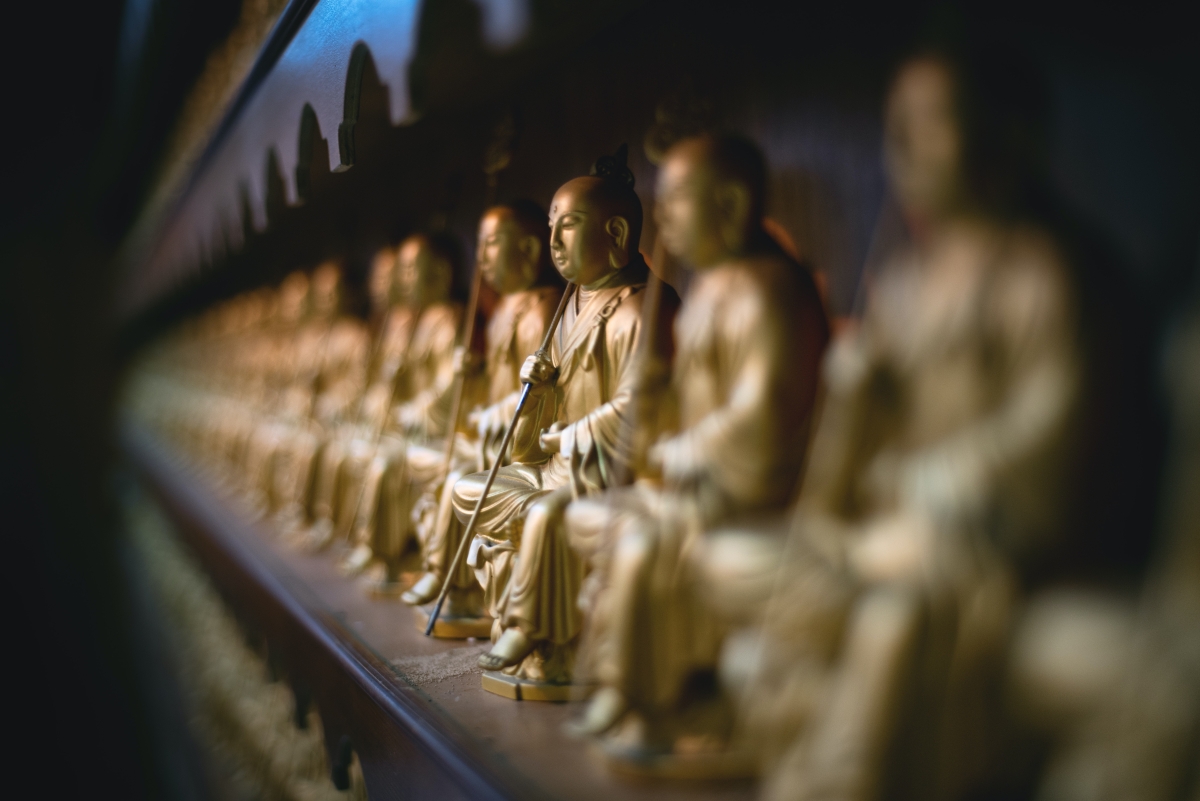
(526, 690)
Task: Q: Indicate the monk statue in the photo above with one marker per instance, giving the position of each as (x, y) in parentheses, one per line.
(383, 479)
(566, 443)
(749, 340)
(943, 458)
(394, 320)
(335, 378)
(513, 255)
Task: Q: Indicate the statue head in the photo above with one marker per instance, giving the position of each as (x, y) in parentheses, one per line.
(923, 140)
(293, 298)
(424, 271)
(710, 198)
(380, 283)
(964, 131)
(596, 223)
(326, 289)
(513, 246)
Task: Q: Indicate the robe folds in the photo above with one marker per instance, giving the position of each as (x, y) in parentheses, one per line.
(593, 350)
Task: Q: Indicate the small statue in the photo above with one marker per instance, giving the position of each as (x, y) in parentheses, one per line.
(749, 339)
(514, 259)
(407, 454)
(335, 378)
(566, 444)
(943, 454)
(395, 319)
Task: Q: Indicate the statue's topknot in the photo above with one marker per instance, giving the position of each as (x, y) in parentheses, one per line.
(614, 168)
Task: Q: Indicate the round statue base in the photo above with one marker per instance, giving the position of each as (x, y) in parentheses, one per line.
(453, 628)
(526, 690)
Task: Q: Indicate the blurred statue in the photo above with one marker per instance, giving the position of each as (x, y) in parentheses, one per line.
(749, 339)
(514, 257)
(328, 512)
(872, 641)
(383, 479)
(334, 377)
(566, 443)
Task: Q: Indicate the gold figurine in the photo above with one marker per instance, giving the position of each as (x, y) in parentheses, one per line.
(749, 340)
(514, 259)
(566, 445)
(876, 634)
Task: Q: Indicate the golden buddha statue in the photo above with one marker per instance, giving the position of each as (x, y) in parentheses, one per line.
(513, 256)
(383, 479)
(749, 339)
(394, 319)
(566, 444)
(877, 632)
(336, 377)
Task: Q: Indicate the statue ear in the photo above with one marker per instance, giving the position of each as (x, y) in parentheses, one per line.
(733, 198)
(618, 229)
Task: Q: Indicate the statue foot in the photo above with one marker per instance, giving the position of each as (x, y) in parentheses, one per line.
(605, 710)
(511, 648)
(319, 535)
(356, 561)
(424, 591)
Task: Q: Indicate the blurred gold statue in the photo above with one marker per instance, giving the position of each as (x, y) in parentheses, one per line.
(514, 257)
(328, 511)
(944, 451)
(749, 339)
(566, 443)
(385, 478)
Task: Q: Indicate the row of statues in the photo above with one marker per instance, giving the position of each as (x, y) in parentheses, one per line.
(753, 548)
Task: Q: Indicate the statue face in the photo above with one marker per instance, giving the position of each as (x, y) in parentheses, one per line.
(293, 297)
(380, 282)
(688, 212)
(423, 276)
(506, 255)
(923, 140)
(326, 289)
(584, 241)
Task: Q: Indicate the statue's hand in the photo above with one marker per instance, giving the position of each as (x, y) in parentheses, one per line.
(409, 418)
(538, 369)
(460, 359)
(551, 439)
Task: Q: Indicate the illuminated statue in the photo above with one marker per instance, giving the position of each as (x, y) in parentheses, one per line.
(514, 257)
(943, 452)
(566, 444)
(731, 445)
(383, 478)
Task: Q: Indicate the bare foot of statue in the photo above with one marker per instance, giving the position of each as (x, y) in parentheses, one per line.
(511, 648)
(357, 560)
(424, 591)
(607, 707)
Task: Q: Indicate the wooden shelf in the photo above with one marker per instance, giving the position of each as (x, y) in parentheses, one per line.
(413, 709)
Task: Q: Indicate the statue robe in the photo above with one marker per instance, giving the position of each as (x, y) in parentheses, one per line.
(750, 336)
(410, 453)
(593, 351)
(515, 330)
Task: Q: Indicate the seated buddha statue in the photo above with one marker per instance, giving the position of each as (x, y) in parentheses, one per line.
(393, 322)
(382, 478)
(513, 256)
(875, 634)
(749, 340)
(335, 376)
(566, 444)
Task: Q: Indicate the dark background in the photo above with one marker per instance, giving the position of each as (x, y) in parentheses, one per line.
(92, 96)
